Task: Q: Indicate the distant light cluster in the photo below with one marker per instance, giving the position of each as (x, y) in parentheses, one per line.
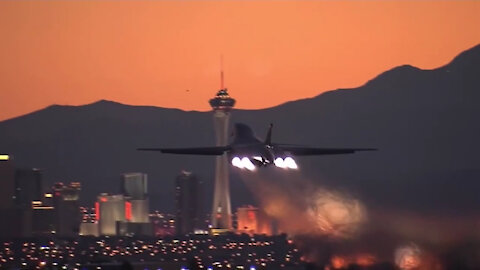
(226, 251)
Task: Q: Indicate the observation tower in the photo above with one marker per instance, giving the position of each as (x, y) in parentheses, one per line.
(221, 104)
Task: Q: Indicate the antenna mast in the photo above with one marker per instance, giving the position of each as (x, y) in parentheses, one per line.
(221, 72)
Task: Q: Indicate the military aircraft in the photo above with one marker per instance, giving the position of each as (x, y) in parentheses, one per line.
(248, 152)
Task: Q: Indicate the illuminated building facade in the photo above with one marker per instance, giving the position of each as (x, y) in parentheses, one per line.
(89, 225)
(188, 204)
(109, 210)
(125, 214)
(221, 104)
(89, 229)
(251, 220)
(134, 188)
(135, 191)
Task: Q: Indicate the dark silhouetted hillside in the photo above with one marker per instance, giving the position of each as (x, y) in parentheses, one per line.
(425, 123)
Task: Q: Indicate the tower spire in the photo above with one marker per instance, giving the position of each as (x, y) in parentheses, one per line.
(221, 72)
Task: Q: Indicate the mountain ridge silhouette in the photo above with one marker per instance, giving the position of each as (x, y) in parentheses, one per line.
(422, 121)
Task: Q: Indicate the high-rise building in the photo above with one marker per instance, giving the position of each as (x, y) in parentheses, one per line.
(135, 191)
(221, 104)
(188, 204)
(44, 219)
(28, 187)
(89, 225)
(17, 220)
(134, 188)
(7, 181)
(134, 185)
(67, 209)
(109, 210)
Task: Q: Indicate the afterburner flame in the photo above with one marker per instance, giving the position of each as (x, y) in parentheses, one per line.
(243, 163)
(290, 163)
(237, 162)
(279, 163)
(287, 163)
(248, 164)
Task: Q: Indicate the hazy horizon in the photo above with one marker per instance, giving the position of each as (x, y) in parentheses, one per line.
(167, 53)
(214, 92)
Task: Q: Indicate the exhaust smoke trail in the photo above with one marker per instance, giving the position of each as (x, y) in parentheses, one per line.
(335, 214)
(332, 228)
(300, 207)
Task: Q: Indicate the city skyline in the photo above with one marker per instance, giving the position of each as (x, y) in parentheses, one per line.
(106, 79)
(143, 53)
(45, 140)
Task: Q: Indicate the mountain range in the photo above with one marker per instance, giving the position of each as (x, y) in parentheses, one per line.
(423, 122)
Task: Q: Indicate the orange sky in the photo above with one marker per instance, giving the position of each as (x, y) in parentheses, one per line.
(151, 52)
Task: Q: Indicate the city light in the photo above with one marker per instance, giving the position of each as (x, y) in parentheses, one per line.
(4, 157)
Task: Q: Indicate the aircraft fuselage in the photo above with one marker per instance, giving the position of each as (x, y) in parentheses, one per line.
(258, 153)
(247, 151)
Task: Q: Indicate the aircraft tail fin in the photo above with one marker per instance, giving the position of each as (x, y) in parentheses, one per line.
(268, 139)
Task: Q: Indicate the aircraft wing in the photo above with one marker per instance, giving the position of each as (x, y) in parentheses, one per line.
(208, 151)
(310, 151)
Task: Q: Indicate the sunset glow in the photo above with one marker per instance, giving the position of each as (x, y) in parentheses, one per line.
(167, 53)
